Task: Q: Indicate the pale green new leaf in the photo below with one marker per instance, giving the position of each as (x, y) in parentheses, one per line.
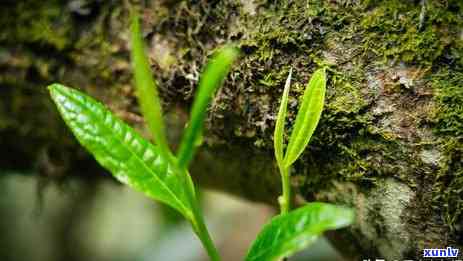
(120, 149)
(146, 87)
(307, 117)
(211, 79)
(289, 233)
(278, 136)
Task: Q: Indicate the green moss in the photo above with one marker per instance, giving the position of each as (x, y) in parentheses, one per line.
(449, 87)
(447, 191)
(273, 79)
(44, 23)
(403, 31)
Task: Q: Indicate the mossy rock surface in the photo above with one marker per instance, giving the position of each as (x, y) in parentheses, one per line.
(390, 141)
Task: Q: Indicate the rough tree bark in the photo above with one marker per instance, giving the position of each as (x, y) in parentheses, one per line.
(389, 142)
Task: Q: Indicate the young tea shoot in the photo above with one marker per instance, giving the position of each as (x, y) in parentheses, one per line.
(306, 121)
(150, 168)
(292, 231)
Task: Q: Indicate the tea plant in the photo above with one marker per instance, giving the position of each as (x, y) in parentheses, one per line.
(292, 231)
(150, 168)
(162, 175)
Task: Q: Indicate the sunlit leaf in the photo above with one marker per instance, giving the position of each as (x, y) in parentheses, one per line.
(307, 117)
(278, 136)
(288, 233)
(120, 149)
(211, 79)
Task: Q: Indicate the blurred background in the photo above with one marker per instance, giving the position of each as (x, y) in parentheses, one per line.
(103, 220)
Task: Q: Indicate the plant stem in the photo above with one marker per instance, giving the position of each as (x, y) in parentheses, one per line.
(204, 236)
(197, 222)
(150, 104)
(285, 198)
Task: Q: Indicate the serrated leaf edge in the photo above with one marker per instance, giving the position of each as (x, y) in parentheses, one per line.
(60, 90)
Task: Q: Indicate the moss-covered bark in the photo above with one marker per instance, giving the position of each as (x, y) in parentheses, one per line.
(390, 139)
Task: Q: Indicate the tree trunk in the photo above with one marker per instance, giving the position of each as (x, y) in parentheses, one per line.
(389, 142)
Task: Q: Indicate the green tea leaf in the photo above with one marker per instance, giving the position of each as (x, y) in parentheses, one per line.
(147, 92)
(307, 117)
(120, 149)
(278, 140)
(211, 79)
(288, 233)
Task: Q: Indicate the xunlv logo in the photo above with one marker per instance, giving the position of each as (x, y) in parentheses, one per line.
(439, 252)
